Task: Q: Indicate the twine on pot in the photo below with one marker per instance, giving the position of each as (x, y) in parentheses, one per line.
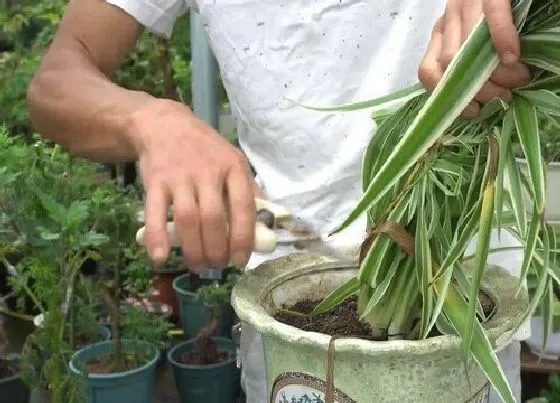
(329, 389)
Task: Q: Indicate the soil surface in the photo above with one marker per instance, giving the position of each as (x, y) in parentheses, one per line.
(195, 358)
(8, 369)
(340, 321)
(106, 364)
(343, 320)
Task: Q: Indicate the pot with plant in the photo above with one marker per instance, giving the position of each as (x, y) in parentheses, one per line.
(194, 313)
(163, 277)
(120, 369)
(412, 318)
(12, 387)
(205, 368)
(550, 146)
(544, 342)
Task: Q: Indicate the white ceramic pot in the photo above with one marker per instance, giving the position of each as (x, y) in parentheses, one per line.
(552, 208)
(535, 342)
(364, 371)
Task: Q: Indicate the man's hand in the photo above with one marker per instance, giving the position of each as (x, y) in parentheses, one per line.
(185, 162)
(453, 28)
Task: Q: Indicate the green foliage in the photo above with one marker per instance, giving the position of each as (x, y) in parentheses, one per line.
(213, 296)
(54, 216)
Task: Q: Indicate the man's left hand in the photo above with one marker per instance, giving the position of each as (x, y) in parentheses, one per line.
(453, 28)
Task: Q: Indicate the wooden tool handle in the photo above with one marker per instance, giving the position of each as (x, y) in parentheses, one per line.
(265, 238)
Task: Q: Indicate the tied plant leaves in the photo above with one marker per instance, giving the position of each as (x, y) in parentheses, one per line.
(441, 178)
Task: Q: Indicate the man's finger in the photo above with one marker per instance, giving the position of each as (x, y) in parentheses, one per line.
(452, 33)
(471, 111)
(213, 222)
(471, 13)
(513, 76)
(490, 91)
(502, 29)
(242, 216)
(430, 70)
(156, 242)
(187, 225)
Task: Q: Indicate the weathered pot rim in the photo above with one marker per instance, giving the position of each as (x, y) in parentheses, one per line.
(181, 290)
(555, 165)
(200, 367)
(254, 286)
(116, 375)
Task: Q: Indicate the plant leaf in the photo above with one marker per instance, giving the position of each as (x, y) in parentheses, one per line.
(337, 296)
(528, 132)
(464, 77)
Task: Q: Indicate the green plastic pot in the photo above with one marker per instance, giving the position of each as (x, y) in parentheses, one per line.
(216, 383)
(13, 389)
(136, 385)
(104, 335)
(194, 316)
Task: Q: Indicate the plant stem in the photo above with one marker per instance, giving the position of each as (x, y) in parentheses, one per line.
(293, 313)
(17, 315)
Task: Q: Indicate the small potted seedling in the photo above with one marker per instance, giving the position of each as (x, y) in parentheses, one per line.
(205, 368)
(194, 313)
(12, 387)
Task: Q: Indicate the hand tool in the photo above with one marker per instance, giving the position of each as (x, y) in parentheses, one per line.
(275, 226)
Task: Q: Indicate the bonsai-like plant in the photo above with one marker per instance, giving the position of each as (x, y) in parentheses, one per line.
(213, 296)
(433, 180)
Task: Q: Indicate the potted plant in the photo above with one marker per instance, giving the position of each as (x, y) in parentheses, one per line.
(550, 146)
(121, 369)
(543, 342)
(205, 368)
(12, 386)
(194, 314)
(414, 320)
(163, 277)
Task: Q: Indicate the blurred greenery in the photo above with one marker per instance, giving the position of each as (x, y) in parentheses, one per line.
(157, 66)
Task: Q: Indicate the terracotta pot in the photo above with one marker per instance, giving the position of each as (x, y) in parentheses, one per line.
(163, 283)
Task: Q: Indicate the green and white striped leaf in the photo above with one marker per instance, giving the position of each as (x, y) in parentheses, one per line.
(424, 262)
(456, 310)
(462, 80)
(337, 296)
(545, 100)
(505, 143)
(528, 132)
(393, 99)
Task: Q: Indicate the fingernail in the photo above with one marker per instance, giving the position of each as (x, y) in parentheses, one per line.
(509, 58)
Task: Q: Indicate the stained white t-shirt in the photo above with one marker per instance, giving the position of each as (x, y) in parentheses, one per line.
(322, 53)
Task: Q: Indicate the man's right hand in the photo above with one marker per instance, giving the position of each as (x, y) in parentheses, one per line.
(184, 162)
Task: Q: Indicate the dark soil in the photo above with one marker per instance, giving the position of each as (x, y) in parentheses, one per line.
(8, 368)
(340, 321)
(343, 320)
(206, 352)
(106, 364)
(195, 358)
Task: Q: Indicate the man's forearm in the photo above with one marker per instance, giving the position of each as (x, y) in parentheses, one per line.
(76, 105)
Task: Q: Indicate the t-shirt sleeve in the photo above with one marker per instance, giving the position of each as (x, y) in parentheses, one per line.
(158, 16)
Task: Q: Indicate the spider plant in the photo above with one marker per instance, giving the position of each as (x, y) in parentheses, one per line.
(432, 181)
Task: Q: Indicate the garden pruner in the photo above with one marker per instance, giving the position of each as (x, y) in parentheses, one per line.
(275, 226)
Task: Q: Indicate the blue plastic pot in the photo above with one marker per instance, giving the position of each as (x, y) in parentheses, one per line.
(216, 383)
(136, 385)
(194, 316)
(104, 335)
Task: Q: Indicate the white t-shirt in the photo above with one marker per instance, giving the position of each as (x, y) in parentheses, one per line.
(326, 52)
